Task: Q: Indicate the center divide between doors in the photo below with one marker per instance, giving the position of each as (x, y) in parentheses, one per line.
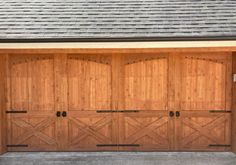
(128, 102)
(119, 102)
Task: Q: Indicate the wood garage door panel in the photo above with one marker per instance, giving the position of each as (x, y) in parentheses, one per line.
(88, 131)
(205, 102)
(89, 79)
(203, 132)
(19, 84)
(145, 91)
(41, 83)
(148, 130)
(145, 83)
(203, 83)
(32, 90)
(32, 80)
(90, 90)
(38, 133)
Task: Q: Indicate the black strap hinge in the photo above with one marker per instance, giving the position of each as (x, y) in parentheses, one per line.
(220, 111)
(118, 145)
(118, 111)
(219, 145)
(13, 111)
(18, 145)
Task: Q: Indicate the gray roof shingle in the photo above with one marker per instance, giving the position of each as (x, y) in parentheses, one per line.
(50, 19)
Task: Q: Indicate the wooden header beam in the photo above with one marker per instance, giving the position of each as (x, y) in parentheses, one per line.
(112, 51)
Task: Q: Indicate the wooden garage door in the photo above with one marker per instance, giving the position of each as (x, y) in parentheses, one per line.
(145, 122)
(204, 121)
(111, 104)
(89, 93)
(31, 117)
(133, 102)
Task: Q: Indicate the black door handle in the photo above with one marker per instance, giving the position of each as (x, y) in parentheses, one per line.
(177, 114)
(58, 114)
(171, 113)
(64, 114)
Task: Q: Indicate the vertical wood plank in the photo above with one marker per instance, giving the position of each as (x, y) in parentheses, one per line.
(174, 86)
(229, 82)
(61, 98)
(234, 106)
(229, 99)
(3, 105)
(117, 95)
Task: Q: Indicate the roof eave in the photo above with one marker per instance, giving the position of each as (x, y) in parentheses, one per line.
(123, 39)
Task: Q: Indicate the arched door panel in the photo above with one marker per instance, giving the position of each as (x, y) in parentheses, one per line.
(90, 91)
(31, 119)
(204, 123)
(145, 124)
(203, 84)
(146, 85)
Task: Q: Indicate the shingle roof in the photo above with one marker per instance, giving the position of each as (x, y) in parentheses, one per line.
(52, 19)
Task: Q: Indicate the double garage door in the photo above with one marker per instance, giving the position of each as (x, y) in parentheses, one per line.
(127, 102)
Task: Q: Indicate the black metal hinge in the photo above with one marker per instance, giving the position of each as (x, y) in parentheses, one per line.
(105, 111)
(220, 111)
(118, 145)
(128, 111)
(219, 145)
(118, 111)
(18, 145)
(16, 111)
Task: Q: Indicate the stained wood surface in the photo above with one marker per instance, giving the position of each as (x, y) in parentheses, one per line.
(145, 89)
(204, 89)
(110, 51)
(120, 102)
(234, 107)
(3, 103)
(32, 90)
(90, 90)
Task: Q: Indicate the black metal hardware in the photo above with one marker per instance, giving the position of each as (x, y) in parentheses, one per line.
(171, 114)
(107, 145)
(127, 111)
(129, 145)
(105, 111)
(118, 111)
(118, 145)
(64, 114)
(16, 111)
(19, 145)
(58, 114)
(219, 111)
(219, 145)
(177, 114)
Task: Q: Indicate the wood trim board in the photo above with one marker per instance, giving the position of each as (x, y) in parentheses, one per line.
(3, 102)
(234, 105)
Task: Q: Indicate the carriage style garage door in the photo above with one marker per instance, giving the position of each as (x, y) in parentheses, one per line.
(132, 102)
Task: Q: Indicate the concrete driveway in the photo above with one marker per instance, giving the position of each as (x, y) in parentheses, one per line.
(118, 158)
